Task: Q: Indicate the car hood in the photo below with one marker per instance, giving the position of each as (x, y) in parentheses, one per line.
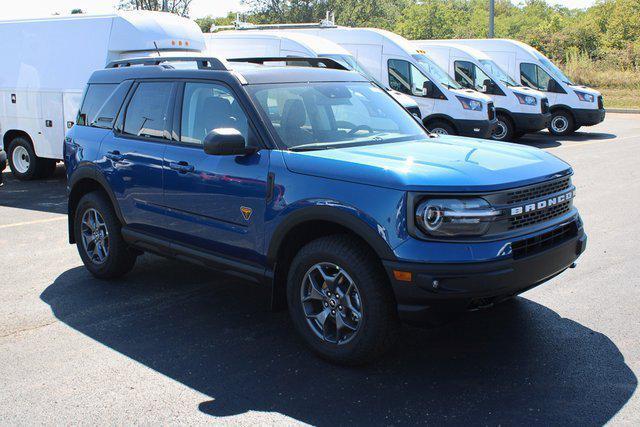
(443, 163)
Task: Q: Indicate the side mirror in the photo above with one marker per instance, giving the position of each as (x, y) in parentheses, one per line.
(428, 89)
(226, 142)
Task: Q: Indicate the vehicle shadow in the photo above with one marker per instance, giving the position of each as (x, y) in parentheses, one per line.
(518, 363)
(546, 140)
(45, 195)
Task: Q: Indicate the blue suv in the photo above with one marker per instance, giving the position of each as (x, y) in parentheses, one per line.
(316, 183)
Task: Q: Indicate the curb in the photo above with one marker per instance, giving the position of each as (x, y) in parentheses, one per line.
(624, 110)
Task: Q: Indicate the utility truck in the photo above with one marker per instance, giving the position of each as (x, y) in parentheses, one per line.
(445, 106)
(45, 67)
(519, 109)
(572, 106)
(274, 44)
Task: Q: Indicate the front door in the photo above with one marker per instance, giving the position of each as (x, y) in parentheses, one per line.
(216, 203)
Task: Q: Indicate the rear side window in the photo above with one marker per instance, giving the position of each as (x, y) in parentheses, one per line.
(147, 112)
(94, 98)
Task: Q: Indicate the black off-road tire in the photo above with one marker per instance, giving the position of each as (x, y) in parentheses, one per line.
(378, 331)
(121, 259)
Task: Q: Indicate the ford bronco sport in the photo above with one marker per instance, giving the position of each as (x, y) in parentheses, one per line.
(317, 183)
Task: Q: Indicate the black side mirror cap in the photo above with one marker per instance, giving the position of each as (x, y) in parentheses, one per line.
(226, 142)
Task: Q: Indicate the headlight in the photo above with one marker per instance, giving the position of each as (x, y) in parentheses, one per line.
(455, 217)
(526, 99)
(586, 97)
(470, 104)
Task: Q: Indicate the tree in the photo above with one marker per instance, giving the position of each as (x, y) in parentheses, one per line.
(179, 7)
(208, 21)
(76, 11)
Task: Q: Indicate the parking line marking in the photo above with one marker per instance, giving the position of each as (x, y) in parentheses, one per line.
(37, 221)
(582, 144)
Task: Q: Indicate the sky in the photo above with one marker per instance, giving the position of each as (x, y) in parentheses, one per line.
(12, 9)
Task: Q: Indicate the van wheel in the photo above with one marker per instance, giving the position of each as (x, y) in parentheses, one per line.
(440, 128)
(22, 159)
(504, 130)
(340, 301)
(99, 240)
(561, 123)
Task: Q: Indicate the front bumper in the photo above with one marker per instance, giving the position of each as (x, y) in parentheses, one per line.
(458, 287)
(588, 117)
(476, 128)
(531, 122)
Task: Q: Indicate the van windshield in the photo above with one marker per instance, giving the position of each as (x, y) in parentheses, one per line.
(497, 72)
(436, 72)
(350, 62)
(553, 70)
(319, 116)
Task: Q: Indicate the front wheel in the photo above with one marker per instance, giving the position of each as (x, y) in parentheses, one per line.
(562, 123)
(340, 301)
(440, 128)
(99, 239)
(504, 130)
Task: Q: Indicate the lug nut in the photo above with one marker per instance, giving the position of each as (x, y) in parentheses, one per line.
(326, 304)
(333, 312)
(435, 284)
(340, 307)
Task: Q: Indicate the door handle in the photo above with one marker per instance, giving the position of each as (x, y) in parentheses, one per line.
(182, 167)
(114, 155)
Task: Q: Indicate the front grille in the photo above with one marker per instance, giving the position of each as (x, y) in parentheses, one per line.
(600, 102)
(535, 217)
(491, 110)
(539, 243)
(544, 189)
(544, 105)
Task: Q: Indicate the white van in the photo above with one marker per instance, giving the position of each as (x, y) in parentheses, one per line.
(519, 109)
(572, 106)
(256, 43)
(445, 106)
(46, 64)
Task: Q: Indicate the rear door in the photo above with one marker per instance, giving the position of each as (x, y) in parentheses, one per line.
(216, 202)
(131, 156)
(52, 125)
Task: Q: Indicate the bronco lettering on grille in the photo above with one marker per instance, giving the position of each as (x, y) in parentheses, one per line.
(542, 204)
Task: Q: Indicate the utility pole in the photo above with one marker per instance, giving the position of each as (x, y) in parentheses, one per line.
(491, 17)
(165, 7)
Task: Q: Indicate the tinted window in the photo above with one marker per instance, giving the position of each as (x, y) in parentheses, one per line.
(147, 112)
(464, 74)
(208, 106)
(405, 77)
(94, 98)
(535, 77)
(106, 115)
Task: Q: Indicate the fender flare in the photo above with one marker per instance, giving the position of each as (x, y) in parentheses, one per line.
(328, 214)
(440, 116)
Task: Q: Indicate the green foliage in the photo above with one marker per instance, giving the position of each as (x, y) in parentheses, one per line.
(208, 21)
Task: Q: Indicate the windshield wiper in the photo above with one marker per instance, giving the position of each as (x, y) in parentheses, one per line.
(310, 147)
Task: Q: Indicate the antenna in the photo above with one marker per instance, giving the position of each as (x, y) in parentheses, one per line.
(157, 50)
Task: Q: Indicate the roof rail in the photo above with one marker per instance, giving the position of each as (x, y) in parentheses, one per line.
(311, 61)
(204, 63)
(328, 22)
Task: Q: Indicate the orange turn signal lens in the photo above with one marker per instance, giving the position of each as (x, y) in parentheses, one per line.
(403, 276)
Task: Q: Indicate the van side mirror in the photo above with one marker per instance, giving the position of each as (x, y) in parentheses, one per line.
(226, 142)
(428, 89)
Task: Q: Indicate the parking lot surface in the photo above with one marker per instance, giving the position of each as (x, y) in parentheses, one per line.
(176, 343)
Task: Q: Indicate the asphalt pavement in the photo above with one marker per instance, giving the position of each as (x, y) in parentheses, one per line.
(175, 343)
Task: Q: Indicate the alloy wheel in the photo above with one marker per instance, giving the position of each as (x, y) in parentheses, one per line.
(95, 236)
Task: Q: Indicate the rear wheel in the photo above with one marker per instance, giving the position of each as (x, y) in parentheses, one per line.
(561, 123)
(99, 240)
(440, 128)
(22, 159)
(504, 130)
(340, 301)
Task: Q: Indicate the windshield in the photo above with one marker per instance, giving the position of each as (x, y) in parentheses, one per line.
(436, 72)
(316, 116)
(497, 72)
(553, 70)
(350, 62)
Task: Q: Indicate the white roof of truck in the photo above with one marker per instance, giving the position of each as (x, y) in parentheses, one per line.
(309, 42)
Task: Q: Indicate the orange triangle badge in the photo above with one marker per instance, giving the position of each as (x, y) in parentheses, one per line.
(246, 212)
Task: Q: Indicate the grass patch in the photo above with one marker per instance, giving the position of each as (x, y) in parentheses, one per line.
(620, 98)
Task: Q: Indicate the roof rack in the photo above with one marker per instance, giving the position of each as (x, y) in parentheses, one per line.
(238, 24)
(204, 63)
(311, 61)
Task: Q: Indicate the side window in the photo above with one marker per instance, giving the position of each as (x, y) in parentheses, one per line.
(528, 75)
(208, 106)
(405, 77)
(146, 114)
(464, 74)
(94, 98)
(106, 115)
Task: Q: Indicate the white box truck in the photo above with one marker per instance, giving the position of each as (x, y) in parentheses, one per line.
(519, 109)
(255, 44)
(445, 106)
(572, 106)
(45, 67)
